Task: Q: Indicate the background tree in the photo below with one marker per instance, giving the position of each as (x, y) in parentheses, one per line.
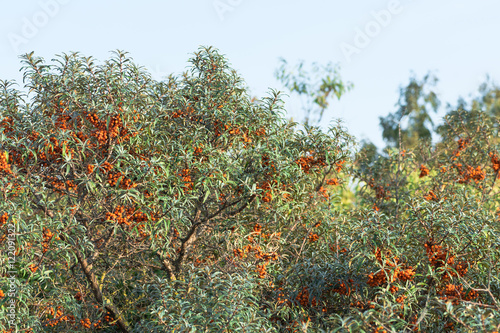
(416, 101)
(318, 85)
(489, 99)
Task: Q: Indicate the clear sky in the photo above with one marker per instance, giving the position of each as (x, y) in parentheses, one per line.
(458, 40)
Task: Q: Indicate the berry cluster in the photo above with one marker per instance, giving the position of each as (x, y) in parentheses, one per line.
(495, 161)
(423, 171)
(54, 149)
(47, 237)
(312, 237)
(333, 181)
(4, 166)
(3, 219)
(7, 124)
(60, 186)
(58, 317)
(304, 298)
(395, 271)
(381, 191)
(129, 217)
(125, 183)
(468, 173)
(258, 254)
(343, 288)
(105, 132)
(443, 263)
(311, 161)
(431, 196)
(186, 178)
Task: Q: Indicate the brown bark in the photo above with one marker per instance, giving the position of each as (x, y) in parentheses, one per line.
(199, 225)
(87, 269)
(168, 267)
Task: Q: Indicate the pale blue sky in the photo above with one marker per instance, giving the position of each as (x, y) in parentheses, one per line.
(456, 39)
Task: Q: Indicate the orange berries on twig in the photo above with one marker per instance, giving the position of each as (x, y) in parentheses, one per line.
(423, 171)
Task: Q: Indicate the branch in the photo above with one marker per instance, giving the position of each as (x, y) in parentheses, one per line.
(168, 267)
(87, 269)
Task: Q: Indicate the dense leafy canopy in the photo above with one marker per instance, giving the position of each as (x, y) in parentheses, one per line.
(133, 205)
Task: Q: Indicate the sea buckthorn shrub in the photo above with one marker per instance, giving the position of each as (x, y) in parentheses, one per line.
(186, 205)
(427, 230)
(116, 182)
(417, 252)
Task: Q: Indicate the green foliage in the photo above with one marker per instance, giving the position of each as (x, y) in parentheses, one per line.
(116, 180)
(185, 206)
(446, 195)
(207, 301)
(415, 102)
(489, 99)
(319, 85)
